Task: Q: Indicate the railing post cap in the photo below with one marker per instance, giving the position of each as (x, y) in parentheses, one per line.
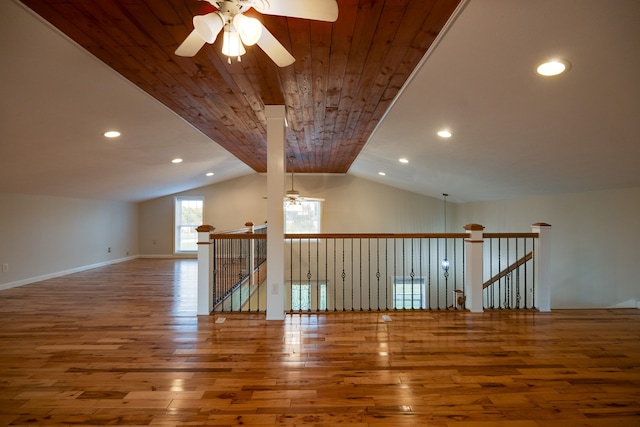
(205, 228)
(248, 224)
(473, 227)
(541, 224)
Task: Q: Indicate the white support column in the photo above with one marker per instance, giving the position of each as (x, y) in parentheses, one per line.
(542, 266)
(275, 211)
(474, 257)
(205, 270)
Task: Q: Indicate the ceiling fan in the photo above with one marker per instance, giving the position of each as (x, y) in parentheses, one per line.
(240, 30)
(293, 197)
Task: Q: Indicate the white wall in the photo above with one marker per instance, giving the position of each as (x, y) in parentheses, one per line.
(595, 242)
(351, 205)
(42, 237)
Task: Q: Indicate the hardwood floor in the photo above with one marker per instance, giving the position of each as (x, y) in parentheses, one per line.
(121, 345)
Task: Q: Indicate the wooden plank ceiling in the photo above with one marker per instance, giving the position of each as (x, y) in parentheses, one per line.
(345, 76)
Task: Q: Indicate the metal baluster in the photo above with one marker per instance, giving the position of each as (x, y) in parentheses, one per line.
(326, 273)
(429, 270)
(499, 269)
(360, 267)
(335, 279)
(394, 294)
(464, 275)
(507, 281)
(290, 308)
(309, 276)
(378, 269)
(386, 273)
(438, 275)
(533, 285)
(215, 272)
(518, 279)
(420, 273)
(344, 275)
(369, 271)
(446, 278)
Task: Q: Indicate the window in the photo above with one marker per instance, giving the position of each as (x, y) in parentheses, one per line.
(302, 217)
(408, 293)
(303, 299)
(188, 216)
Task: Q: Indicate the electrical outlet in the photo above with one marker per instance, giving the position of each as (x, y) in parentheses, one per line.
(109, 250)
(5, 268)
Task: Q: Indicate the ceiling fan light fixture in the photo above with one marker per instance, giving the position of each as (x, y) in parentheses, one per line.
(239, 29)
(250, 29)
(231, 44)
(208, 26)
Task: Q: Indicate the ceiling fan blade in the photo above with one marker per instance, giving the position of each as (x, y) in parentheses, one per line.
(191, 45)
(274, 49)
(319, 10)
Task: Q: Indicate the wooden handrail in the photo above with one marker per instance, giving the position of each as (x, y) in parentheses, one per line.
(508, 270)
(509, 235)
(377, 236)
(242, 234)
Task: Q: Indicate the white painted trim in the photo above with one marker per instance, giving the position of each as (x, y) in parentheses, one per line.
(630, 303)
(175, 256)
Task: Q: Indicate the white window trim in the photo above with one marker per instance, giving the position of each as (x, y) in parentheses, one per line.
(176, 201)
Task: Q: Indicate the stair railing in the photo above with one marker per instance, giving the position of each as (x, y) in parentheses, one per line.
(358, 272)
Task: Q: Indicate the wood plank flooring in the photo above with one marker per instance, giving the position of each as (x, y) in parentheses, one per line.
(121, 345)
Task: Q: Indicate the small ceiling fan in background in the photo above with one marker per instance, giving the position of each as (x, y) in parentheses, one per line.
(293, 197)
(240, 30)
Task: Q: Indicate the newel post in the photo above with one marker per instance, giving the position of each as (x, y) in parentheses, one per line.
(542, 266)
(473, 248)
(205, 270)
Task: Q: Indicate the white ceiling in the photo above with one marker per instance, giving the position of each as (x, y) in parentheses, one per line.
(515, 134)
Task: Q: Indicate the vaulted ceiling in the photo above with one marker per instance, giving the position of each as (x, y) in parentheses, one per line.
(345, 76)
(364, 91)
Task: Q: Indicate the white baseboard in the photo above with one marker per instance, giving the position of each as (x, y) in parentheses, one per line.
(164, 256)
(63, 273)
(630, 303)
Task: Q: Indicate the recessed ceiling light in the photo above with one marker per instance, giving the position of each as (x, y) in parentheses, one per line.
(209, 174)
(553, 67)
(382, 173)
(176, 161)
(112, 134)
(403, 160)
(444, 133)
